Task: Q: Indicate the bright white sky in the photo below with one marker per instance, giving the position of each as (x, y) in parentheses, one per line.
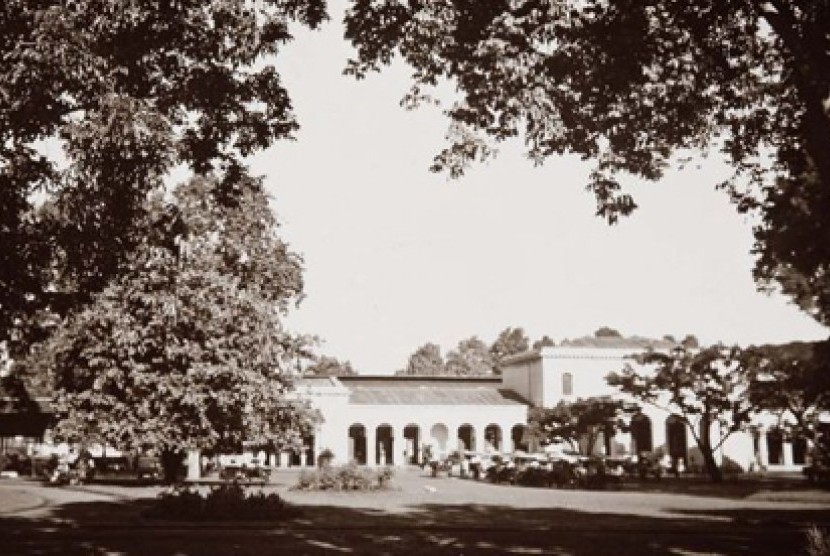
(397, 256)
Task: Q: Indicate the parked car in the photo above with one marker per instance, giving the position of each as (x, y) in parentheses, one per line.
(142, 469)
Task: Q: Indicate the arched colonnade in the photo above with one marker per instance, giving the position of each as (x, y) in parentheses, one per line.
(410, 443)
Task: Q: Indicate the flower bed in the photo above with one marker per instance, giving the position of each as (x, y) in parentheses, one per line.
(347, 477)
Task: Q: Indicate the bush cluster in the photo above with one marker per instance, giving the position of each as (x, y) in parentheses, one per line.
(228, 502)
(591, 475)
(347, 477)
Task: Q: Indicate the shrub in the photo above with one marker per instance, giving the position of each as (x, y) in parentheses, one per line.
(818, 542)
(227, 502)
(347, 477)
(731, 467)
(534, 476)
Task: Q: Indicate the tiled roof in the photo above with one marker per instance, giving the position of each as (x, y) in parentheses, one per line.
(431, 393)
(618, 342)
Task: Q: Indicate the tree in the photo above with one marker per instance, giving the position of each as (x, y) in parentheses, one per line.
(607, 332)
(544, 341)
(706, 389)
(582, 419)
(637, 87)
(690, 342)
(510, 342)
(426, 361)
(128, 90)
(329, 366)
(790, 379)
(186, 350)
(471, 358)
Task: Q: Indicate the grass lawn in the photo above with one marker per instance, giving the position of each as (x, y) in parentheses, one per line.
(422, 515)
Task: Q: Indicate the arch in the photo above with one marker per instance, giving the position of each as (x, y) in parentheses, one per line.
(676, 440)
(466, 437)
(439, 435)
(493, 437)
(641, 434)
(385, 445)
(412, 440)
(800, 449)
(775, 446)
(357, 444)
(304, 455)
(518, 436)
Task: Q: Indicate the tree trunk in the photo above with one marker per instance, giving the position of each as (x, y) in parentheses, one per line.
(705, 445)
(171, 465)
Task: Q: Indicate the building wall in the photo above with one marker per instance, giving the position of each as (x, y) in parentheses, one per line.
(588, 367)
(334, 432)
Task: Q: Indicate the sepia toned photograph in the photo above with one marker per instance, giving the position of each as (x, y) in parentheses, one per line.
(439, 277)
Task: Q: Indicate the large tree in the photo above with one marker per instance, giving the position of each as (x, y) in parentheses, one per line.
(425, 361)
(472, 357)
(579, 420)
(790, 380)
(186, 350)
(510, 342)
(329, 366)
(707, 389)
(128, 90)
(637, 86)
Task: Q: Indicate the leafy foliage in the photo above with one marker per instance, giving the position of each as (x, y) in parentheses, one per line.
(582, 419)
(790, 378)
(186, 349)
(607, 332)
(509, 342)
(472, 357)
(637, 86)
(347, 477)
(128, 90)
(704, 388)
(329, 366)
(544, 341)
(425, 361)
(227, 502)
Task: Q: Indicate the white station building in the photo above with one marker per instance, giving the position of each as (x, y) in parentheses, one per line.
(388, 420)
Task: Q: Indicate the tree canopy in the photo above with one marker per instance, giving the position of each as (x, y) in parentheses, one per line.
(707, 389)
(509, 342)
(472, 357)
(581, 419)
(791, 379)
(329, 366)
(425, 361)
(128, 90)
(636, 87)
(186, 349)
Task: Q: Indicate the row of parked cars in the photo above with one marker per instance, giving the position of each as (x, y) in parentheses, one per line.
(85, 469)
(560, 468)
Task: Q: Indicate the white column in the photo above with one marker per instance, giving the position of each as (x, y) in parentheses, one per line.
(787, 453)
(371, 445)
(763, 449)
(194, 469)
(507, 439)
(479, 435)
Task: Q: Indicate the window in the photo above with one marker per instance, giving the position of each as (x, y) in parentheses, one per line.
(567, 384)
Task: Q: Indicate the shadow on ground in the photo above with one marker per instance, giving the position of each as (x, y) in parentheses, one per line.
(117, 527)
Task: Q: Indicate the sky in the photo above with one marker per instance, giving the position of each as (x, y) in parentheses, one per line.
(397, 256)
